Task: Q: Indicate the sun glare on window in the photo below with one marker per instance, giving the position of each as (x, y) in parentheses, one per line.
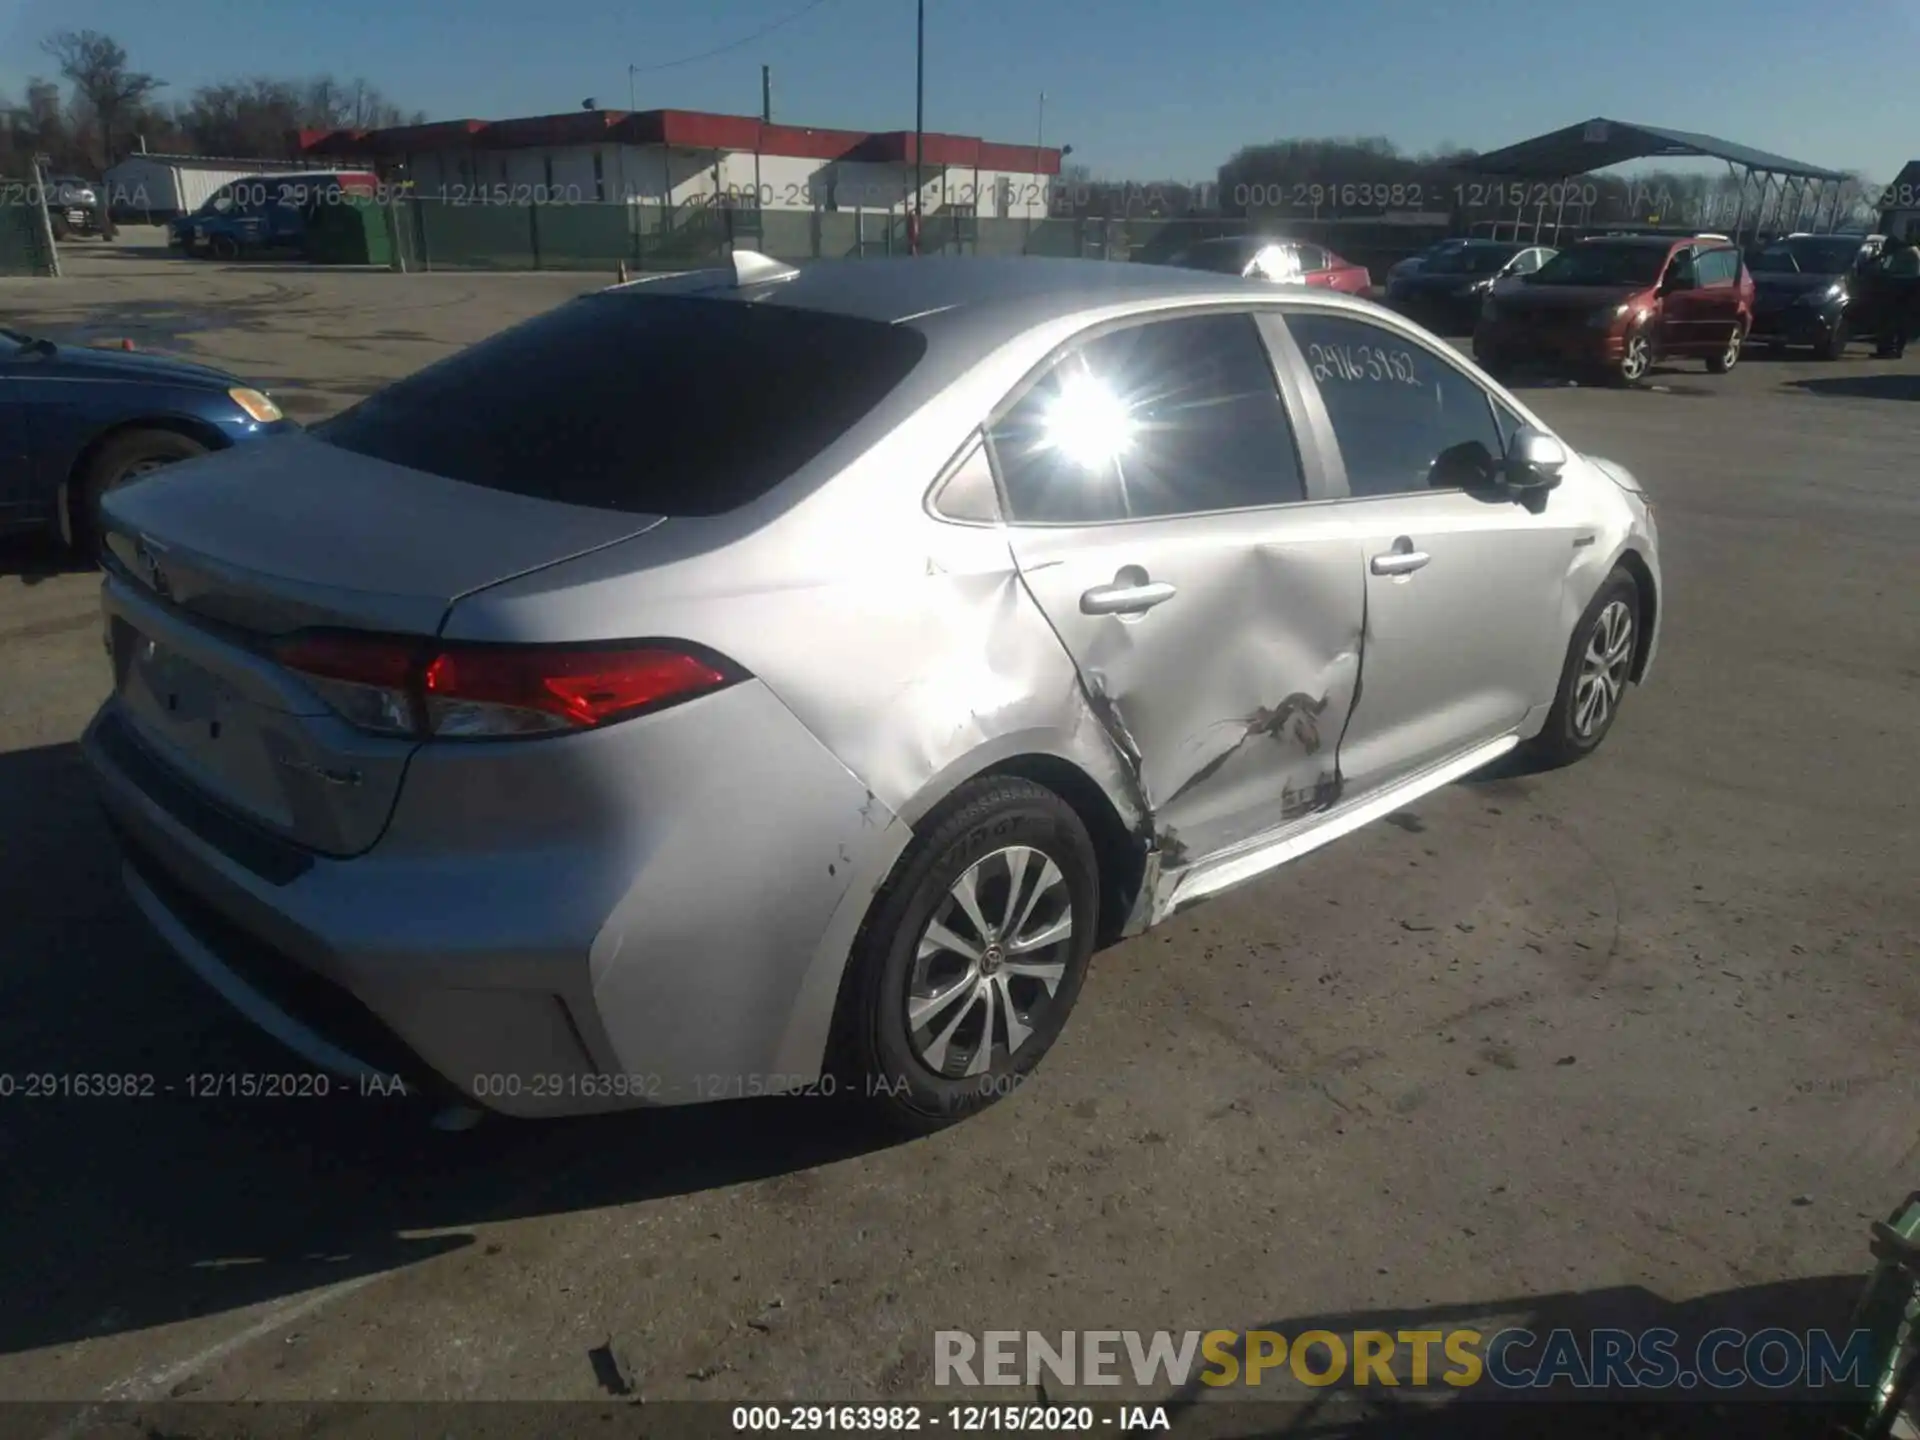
(1088, 423)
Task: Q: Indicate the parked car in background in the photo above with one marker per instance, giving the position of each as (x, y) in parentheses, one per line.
(1445, 293)
(73, 206)
(1817, 291)
(1287, 262)
(467, 748)
(1413, 264)
(76, 422)
(266, 212)
(1619, 303)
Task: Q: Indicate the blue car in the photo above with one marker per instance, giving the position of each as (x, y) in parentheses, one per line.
(75, 422)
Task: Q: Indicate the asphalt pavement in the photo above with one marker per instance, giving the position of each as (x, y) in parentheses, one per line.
(1610, 1044)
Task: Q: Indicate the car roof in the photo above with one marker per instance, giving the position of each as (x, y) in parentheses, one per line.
(1643, 242)
(974, 303)
(903, 288)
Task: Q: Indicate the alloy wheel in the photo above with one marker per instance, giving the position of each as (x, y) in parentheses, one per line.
(989, 962)
(1732, 355)
(1639, 356)
(1603, 670)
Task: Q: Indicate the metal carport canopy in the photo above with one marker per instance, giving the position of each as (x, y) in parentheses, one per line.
(1597, 143)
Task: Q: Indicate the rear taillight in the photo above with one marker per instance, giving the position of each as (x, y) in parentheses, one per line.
(397, 686)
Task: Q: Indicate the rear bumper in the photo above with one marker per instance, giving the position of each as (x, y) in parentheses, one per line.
(654, 934)
(1576, 346)
(1445, 314)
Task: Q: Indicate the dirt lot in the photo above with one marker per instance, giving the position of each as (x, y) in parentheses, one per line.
(1630, 1040)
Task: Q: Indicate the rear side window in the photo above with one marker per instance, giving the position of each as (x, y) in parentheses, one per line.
(1174, 417)
(660, 405)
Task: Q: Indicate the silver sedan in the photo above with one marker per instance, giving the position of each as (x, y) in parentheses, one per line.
(757, 681)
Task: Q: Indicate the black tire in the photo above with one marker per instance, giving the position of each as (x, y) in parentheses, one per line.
(1723, 362)
(1565, 738)
(1836, 345)
(876, 1054)
(125, 456)
(223, 247)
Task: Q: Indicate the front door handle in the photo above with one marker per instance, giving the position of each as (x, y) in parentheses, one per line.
(1400, 562)
(1120, 599)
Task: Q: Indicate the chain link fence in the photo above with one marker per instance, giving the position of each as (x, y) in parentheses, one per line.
(25, 242)
(434, 234)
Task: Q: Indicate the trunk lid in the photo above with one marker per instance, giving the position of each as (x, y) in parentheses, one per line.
(209, 561)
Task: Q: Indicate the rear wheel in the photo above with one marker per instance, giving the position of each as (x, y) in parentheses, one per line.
(1728, 358)
(1593, 681)
(972, 956)
(126, 456)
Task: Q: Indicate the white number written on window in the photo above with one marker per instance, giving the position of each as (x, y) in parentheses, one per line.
(1362, 363)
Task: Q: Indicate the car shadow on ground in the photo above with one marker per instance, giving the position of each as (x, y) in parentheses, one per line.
(1893, 385)
(38, 558)
(165, 1205)
(1486, 1411)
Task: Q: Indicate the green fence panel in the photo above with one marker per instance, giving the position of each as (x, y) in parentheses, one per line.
(351, 232)
(794, 235)
(23, 247)
(476, 237)
(1052, 237)
(583, 237)
(688, 239)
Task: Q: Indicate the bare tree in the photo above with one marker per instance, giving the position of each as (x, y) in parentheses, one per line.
(96, 65)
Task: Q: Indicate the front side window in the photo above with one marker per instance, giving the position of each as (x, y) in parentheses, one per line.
(1173, 417)
(1717, 267)
(1406, 420)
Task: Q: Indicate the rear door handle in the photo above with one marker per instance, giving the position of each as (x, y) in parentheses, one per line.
(1400, 562)
(1125, 599)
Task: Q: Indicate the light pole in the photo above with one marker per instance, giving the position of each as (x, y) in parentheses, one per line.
(1039, 136)
(631, 71)
(919, 113)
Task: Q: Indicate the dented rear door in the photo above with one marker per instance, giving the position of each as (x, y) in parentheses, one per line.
(1159, 516)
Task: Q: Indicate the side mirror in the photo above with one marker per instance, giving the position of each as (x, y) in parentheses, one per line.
(1534, 461)
(1675, 280)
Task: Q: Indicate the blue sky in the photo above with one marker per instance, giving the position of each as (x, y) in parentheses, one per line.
(1143, 89)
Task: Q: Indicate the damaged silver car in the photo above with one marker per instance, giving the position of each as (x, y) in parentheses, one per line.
(758, 681)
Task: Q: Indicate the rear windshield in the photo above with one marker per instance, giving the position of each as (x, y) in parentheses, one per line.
(1602, 263)
(659, 405)
(1474, 260)
(1807, 257)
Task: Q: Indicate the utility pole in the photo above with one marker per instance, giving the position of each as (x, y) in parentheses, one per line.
(766, 94)
(631, 71)
(919, 114)
(1039, 136)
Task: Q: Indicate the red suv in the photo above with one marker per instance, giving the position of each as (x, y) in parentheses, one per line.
(1620, 302)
